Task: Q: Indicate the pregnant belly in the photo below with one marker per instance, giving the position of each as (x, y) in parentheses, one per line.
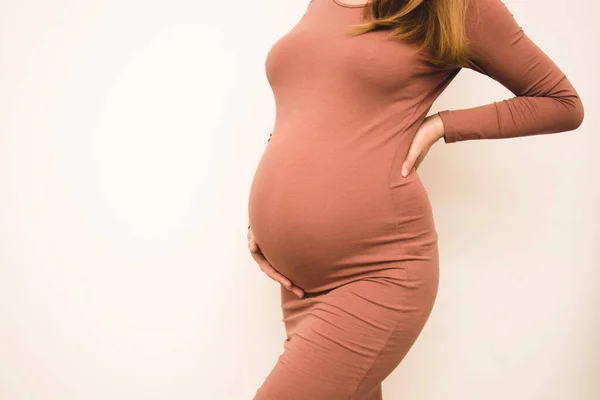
(325, 223)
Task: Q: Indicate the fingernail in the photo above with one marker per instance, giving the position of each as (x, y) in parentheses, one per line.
(404, 172)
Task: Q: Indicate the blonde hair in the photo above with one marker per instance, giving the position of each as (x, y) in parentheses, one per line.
(436, 25)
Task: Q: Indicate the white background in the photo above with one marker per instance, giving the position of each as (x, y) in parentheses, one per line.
(129, 135)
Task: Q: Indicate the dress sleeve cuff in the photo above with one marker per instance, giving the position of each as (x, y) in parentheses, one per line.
(450, 135)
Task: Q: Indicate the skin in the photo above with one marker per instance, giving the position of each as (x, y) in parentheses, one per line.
(430, 131)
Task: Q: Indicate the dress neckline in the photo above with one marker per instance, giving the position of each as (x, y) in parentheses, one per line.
(340, 3)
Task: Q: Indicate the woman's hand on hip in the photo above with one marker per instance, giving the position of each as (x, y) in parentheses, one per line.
(268, 269)
(430, 131)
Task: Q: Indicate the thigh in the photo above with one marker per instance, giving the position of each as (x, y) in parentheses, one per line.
(341, 345)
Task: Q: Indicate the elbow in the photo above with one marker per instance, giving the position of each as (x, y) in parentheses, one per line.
(578, 115)
(575, 116)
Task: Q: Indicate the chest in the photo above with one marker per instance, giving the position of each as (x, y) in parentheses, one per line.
(321, 48)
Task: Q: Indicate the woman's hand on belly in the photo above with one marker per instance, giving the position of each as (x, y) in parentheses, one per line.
(268, 269)
(430, 131)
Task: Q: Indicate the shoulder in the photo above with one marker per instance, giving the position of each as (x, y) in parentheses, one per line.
(489, 15)
(488, 21)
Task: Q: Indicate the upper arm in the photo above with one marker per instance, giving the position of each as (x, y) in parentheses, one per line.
(503, 51)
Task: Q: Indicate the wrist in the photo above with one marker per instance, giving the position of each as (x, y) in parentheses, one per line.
(434, 128)
(437, 126)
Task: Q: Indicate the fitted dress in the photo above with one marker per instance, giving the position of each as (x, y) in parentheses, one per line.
(328, 206)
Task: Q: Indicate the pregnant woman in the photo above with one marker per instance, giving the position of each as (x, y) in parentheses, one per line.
(337, 212)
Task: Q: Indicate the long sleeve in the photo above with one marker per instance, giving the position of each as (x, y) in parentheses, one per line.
(545, 100)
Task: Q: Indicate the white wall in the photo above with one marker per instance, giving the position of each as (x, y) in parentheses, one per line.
(129, 134)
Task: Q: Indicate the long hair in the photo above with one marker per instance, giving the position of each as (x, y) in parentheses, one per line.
(440, 26)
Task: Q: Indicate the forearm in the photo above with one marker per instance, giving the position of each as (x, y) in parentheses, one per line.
(515, 117)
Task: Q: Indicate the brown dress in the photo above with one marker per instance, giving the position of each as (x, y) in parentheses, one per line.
(328, 206)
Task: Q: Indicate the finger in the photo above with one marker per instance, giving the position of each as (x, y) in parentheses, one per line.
(296, 290)
(268, 269)
(409, 162)
(271, 272)
(299, 292)
(276, 276)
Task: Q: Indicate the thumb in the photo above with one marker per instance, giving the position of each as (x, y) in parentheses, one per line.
(410, 160)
